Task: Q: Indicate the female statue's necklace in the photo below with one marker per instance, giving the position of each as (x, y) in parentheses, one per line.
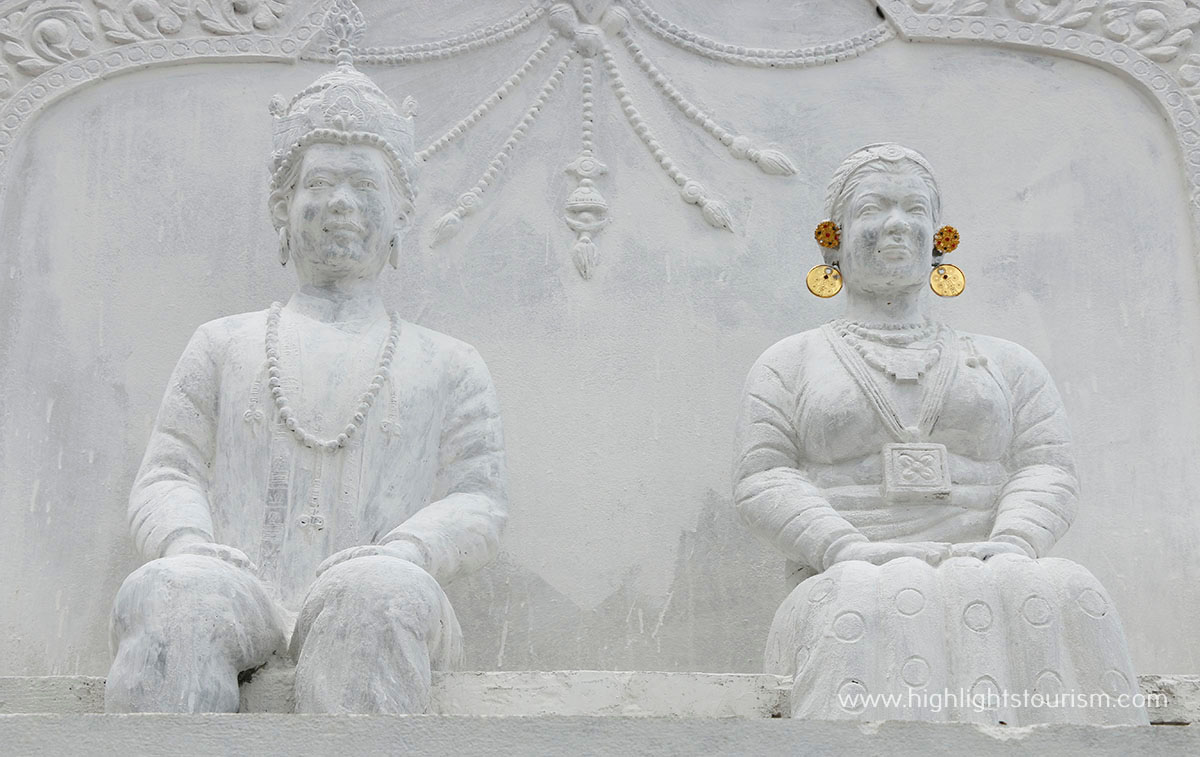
(283, 406)
(913, 470)
(906, 363)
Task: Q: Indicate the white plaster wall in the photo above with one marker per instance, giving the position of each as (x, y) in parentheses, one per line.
(136, 210)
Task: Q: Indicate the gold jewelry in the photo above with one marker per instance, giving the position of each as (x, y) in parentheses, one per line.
(947, 280)
(945, 240)
(824, 280)
(828, 235)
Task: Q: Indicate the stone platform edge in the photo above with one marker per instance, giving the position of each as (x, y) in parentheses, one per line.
(1172, 699)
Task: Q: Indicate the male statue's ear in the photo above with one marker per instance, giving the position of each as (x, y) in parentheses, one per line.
(279, 211)
(404, 218)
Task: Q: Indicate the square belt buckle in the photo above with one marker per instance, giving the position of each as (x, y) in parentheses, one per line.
(915, 472)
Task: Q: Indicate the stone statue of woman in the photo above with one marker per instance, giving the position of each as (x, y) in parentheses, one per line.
(917, 477)
(319, 469)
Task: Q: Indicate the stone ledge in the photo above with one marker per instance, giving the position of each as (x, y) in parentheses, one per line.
(342, 735)
(561, 693)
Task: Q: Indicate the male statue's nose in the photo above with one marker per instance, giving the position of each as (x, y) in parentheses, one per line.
(339, 201)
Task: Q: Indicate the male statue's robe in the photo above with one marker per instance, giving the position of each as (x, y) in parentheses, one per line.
(426, 467)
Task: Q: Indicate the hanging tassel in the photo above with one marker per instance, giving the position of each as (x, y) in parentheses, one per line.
(585, 255)
(774, 162)
(446, 227)
(716, 214)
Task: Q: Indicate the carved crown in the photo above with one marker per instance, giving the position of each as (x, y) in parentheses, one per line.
(345, 107)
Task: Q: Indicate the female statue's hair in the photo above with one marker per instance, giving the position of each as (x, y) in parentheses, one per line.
(882, 157)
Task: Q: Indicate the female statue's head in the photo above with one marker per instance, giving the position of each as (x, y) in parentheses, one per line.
(341, 177)
(885, 201)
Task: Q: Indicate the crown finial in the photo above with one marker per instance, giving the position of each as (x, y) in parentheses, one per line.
(344, 25)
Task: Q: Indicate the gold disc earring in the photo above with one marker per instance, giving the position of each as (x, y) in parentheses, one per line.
(826, 280)
(946, 280)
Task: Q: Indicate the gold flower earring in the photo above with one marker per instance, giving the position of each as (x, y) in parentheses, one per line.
(826, 280)
(946, 280)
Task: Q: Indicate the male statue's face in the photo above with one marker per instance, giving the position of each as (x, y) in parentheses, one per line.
(342, 214)
(887, 238)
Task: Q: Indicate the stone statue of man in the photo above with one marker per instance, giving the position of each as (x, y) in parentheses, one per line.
(317, 470)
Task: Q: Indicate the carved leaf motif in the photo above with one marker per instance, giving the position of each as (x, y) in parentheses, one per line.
(1159, 29)
(1069, 13)
(125, 21)
(47, 33)
(227, 17)
(951, 7)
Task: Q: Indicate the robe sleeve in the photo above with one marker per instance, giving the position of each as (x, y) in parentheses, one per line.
(773, 498)
(459, 530)
(1039, 501)
(170, 494)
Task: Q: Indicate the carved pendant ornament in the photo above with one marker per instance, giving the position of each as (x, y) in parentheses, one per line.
(587, 30)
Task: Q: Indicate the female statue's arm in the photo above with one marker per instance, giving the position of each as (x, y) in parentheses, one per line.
(459, 531)
(168, 505)
(1039, 501)
(773, 498)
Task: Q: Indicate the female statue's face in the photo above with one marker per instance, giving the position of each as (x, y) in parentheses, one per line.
(342, 214)
(887, 235)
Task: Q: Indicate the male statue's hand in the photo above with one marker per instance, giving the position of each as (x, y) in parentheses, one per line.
(982, 550)
(877, 553)
(404, 550)
(195, 545)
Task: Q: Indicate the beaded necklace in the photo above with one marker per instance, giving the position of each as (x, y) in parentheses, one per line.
(907, 361)
(283, 406)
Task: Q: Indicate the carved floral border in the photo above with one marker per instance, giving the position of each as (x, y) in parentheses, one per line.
(51, 48)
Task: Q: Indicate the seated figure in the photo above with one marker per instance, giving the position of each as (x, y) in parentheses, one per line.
(318, 470)
(916, 478)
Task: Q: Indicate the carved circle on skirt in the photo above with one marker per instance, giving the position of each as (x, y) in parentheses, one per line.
(909, 601)
(1037, 611)
(821, 591)
(1115, 683)
(1048, 683)
(985, 694)
(849, 626)
(915, 671)
(978, 616)
(1092, 603)
(852, 696)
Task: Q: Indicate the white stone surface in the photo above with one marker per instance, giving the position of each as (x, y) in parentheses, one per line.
(1171, 700)
(619, 392)
(338, 735)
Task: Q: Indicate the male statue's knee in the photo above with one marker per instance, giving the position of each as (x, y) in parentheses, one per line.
(381, 583)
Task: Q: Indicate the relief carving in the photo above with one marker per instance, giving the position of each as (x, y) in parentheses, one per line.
(45, 34)
(1158, 29)
(125, 21)
(1070, 14)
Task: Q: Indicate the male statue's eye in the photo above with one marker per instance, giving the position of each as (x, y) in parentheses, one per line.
(366, 184)
(317, 183)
